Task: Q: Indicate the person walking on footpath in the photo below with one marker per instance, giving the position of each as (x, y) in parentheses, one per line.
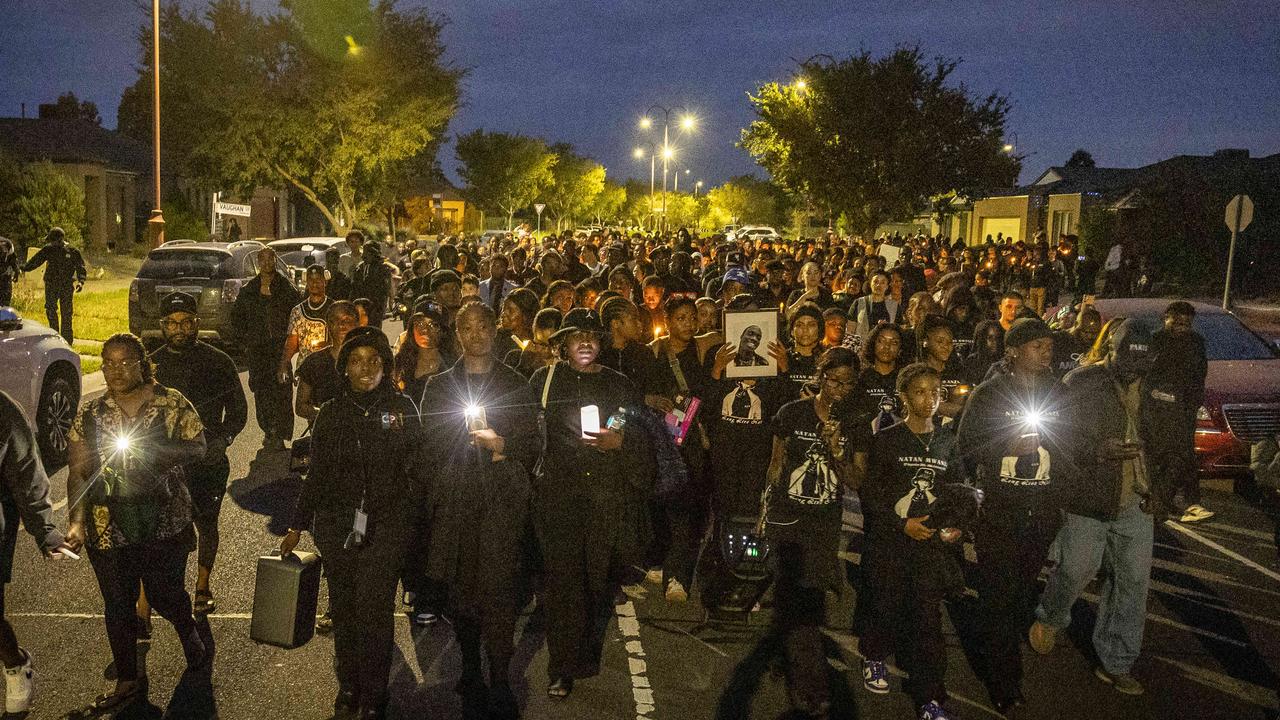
(1108, 500)
(10, 270)
(129, 504)
(25, 495)
(1012, 430)
(64, 276)
(260, 323)
(208, 378)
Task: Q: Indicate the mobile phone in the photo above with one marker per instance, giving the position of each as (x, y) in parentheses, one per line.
(590, 417)
(476, 418)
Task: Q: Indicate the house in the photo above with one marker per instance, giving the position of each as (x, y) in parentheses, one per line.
(432, 205)
(1056, 201)
(113, 170)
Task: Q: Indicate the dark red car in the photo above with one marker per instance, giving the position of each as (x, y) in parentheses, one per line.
(1242, 390)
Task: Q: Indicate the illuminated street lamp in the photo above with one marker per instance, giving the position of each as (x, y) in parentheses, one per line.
(687, 122)
(696, 187)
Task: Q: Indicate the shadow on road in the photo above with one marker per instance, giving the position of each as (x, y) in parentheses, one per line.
(269, 489)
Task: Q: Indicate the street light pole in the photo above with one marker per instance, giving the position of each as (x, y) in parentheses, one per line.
(666, 156)
(155, 226)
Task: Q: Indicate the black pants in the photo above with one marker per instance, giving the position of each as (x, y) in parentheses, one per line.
(1012, 545)
(160, 567)
(1173, 463)
(800, 609)
(362, 594)
(272, 399)
(680, 523)
(208, 484)
(56, 298)
(6, 292)
(905, 619)
(576, 616)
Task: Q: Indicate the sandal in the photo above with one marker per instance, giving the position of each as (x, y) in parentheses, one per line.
(204, 603)
(107, 702)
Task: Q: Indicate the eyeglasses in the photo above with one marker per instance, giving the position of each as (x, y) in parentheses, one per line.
(834, 382)
(178, 324)
(120, 365)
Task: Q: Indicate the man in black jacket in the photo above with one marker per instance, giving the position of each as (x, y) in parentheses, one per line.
(1012, 430)
(371, 279)
(24, 493)
(1178, 371)
(260, 322)
(208, 378)
(64, 276)
(1108, 522)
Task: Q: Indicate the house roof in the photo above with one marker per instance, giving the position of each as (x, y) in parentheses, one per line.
(73, 141)
(1120, 184)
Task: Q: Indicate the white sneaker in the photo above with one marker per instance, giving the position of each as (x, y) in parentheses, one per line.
(653, 575)
(676, 592)
(1196, 513)
(20, 686)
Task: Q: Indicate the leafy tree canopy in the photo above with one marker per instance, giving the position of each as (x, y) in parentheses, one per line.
(875, 138)
(36, 197)
(750, 200)
(1081, 159)
(340, 99)
(504, 172)
(576, 183)
(70, 107)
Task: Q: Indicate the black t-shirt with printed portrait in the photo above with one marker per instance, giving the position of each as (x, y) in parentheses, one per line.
(904, 472)
(737, 416)
(810, 480)
(875, 404)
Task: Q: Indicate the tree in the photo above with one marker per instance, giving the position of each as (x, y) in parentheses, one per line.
(36, 197)
(750, 200)
(504, 173)
(337, 98)
(876, 138)
(576, 183)
(70, 107)
(608, 204)
(1081, 159)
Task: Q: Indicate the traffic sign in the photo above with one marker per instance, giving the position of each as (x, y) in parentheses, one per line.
(1239, 213)
(539, 207)
(223, 208)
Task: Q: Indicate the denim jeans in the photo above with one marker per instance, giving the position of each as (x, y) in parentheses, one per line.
(1123, 546)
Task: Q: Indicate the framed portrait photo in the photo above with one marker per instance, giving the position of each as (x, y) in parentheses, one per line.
(751, 331)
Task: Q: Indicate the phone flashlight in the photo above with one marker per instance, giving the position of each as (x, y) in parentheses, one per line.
(122, 443)
(476, 419)
(1033, 420)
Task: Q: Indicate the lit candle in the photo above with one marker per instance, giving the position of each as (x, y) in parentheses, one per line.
(657, 332)
(523, 343)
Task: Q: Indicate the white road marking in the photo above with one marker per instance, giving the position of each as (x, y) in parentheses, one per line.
(1229, 553)
(641, 690)
(1246, 691)
(59, 505)
(1247, 532)
(99, 616)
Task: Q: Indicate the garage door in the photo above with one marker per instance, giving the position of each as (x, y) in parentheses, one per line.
(1010, 226)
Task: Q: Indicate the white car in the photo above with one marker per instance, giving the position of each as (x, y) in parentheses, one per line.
(757, 233)
(42, 375)
(301, 253)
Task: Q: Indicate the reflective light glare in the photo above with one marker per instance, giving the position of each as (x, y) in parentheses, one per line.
(687, 122)
(473, 411)
(801, 84)
(668, 153)
(122, 443)
(1033, 419)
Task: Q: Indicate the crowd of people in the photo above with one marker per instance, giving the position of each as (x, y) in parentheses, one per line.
(560, 417)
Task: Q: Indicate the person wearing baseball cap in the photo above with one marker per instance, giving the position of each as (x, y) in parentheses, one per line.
(1015, 429)
(208, 378)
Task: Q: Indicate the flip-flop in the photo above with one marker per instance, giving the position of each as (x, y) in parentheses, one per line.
(111, 701)
(204, 604)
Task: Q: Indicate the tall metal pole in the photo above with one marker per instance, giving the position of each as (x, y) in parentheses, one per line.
(653, 171)
(665, 152)
(1231, 256)
(155, 226)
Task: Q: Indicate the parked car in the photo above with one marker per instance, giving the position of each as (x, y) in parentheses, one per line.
(300, 253)
(1242, 389)
(42, 375)
(212, 272)
(757, 233)
(489, 236)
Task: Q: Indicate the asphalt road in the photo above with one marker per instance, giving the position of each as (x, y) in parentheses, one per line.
(1212, 643)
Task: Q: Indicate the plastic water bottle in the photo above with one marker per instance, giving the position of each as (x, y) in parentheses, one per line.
(617, 421)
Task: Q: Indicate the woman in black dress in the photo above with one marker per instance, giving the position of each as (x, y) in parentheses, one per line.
(481, 431)
(589, 500)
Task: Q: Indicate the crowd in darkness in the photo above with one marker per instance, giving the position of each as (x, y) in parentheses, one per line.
(562, 417)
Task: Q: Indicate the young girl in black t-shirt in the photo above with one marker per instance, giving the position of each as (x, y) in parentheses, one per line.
(809, 466)
(907, 567)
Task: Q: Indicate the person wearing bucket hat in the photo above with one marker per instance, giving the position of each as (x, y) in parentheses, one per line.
(589, 507)
(209, 379)
(64, 276)
(1109, 504)
(1015, 430)
(364, 462)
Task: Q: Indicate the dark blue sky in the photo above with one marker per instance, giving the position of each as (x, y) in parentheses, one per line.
(1133, 81)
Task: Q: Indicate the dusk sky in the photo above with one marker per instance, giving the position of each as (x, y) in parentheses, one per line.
(1133, 82)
